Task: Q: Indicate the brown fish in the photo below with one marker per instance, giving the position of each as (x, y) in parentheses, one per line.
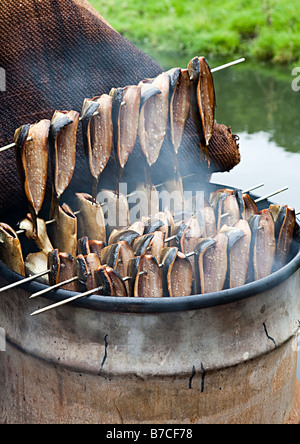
(32, 160)
(40, 237)
(91, 221)
(97, 129)
(285, 222)
(62, 140)
(215, 265)
(93, 265)
(176, 273)
(203, 100)
(179, 107)
(64, 230)
(146, 280)
(126, 120)
(153, 121)
(11, 250)
(263, 244)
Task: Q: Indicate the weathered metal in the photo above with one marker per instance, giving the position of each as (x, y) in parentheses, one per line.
(226, 357)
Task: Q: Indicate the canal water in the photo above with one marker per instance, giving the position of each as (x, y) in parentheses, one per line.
(263, 109)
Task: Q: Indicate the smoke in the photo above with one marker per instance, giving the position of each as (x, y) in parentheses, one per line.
(144, 204)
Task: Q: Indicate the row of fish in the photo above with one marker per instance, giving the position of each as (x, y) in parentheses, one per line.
(152, 110)
(224, 245)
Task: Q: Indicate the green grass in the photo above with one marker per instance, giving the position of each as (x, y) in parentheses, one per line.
(267, 30)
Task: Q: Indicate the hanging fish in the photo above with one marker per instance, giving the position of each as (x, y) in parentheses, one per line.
(180, 93)
(151, 224)
(263, 245)
(36, 263)
(285, 222)
(97, 127)
(250, 207)
(203, 101)
(86, 246)
(111, 282)
(226, 207)
(81, 271)
(238, 249)
(215, 265)
(40, 237)
(93, 264)
(126, 111)
(153, 121)
(176, 273)
(200, 250)
(91, 221)
(31, 150)
(126, 235)
(151, 244)
(96, 247)
(209, 222)
(168, 222)
(11, 250)
(53, 266)
(64, 230)
(83, 246)
(117, 257)
(62, 267)
(240, 255)
(145, 277)
(62, 141)
(66, 270)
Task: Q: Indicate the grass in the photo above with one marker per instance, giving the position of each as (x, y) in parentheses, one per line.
(264, 30)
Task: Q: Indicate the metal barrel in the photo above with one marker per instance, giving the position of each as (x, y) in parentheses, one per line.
(227, 357)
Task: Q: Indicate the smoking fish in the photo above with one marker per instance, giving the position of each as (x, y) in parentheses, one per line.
(64, 231)
(180, 92)
(11, 250)
(145, 277)
(91, 221)
(215, 265)
(97, 128)
(203, 101)
(176, 273)
(263, 244)
(153, 121)
(62, 141)
(31, 149)
(285, 222)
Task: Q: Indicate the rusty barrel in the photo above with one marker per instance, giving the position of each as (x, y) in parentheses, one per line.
(227, 357)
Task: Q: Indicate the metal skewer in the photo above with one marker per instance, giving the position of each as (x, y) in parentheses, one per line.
(253, 188)
(24, 281)
(262, 198)
(218, 68)
(54, 287)
(32, 278)
(66, 301)
(74, 298)
(227, 65)
(29, 139)
(271, 194)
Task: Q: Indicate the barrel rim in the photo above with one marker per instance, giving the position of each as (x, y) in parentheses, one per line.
(166, 304)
